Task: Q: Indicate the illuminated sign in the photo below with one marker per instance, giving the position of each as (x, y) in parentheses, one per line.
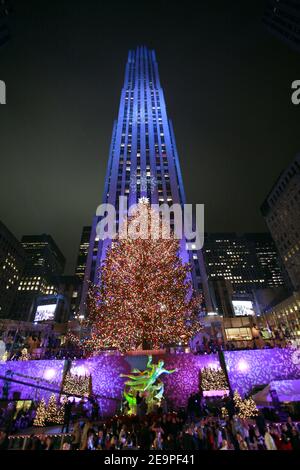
(45, 312)
(243, 307)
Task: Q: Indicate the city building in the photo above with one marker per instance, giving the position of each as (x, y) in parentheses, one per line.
(12, 261)
(83, 251)
(281, 211)
(240, 268)
(5, 12)
(284, 316)
(248, 260)
(282, 18)
(70, 287)
(222, 296)
(143, 162)
(44, 262)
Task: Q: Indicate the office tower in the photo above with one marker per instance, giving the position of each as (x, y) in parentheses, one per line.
(282, 18)
(70, 288)
(12, 261)
(5, 11)
(249, 261)
(44, 262)
(143, 161)
(281, 211)
(83, 252)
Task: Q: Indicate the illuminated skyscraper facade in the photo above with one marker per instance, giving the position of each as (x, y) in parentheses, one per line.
(143, 161)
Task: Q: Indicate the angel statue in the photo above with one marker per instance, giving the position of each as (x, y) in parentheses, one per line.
(147, 383)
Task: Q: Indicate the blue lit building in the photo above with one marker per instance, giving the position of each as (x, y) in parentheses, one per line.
(143, 161)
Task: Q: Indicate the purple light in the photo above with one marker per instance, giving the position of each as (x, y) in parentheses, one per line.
(263, 366)
(243, 366)
(49, 374)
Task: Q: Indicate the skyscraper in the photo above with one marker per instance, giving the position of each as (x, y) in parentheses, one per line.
(281, 210)
(248, 260)
(83, 252)
(143, 161)
(12, 260)
(44, 262)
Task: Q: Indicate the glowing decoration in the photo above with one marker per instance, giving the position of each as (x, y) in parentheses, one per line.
(144, 298)
(147, 383)
(143, 181)
(52, 413)
(242, 365)
(49, 374)
(52, 410)
(246, 408)
(77, 385)
(224, 412)
(79, 370)
(41, 414)
(264, 365)
(213, 380)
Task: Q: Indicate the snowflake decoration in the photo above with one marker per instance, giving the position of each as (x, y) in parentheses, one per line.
(296, 357)
(143, 181)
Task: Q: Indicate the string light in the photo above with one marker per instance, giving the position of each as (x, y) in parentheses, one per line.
(78, 385)
(213, 379)
(245, 408)
(138, 277)
(41, 414)
(49, 414)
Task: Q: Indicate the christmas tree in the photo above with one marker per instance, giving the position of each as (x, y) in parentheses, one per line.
(213, 379)
(41, 413)
(77, 384)
(61, 410)
(52, 410)
(145, 296)
(245, 408)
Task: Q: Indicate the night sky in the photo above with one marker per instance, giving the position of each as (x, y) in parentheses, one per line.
(227, 85)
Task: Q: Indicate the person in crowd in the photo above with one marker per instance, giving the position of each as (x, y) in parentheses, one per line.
(66, 446)
(76, 436)
(101, 440)
(67, 416)
(49, 444)
(95, 410)
(224, 445)
(241, 442)
(85, 434)
(4, 442)
(269, 441)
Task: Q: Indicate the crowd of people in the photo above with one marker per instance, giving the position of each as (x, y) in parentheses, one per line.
(34, 344)
(171, 432)
(14, 347)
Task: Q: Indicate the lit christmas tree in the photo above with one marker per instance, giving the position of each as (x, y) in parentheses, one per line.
(52, 410)
(41, 414)
(61, 411)
(145, 298)
(245, 408)
(213, 379)
(77, 384)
